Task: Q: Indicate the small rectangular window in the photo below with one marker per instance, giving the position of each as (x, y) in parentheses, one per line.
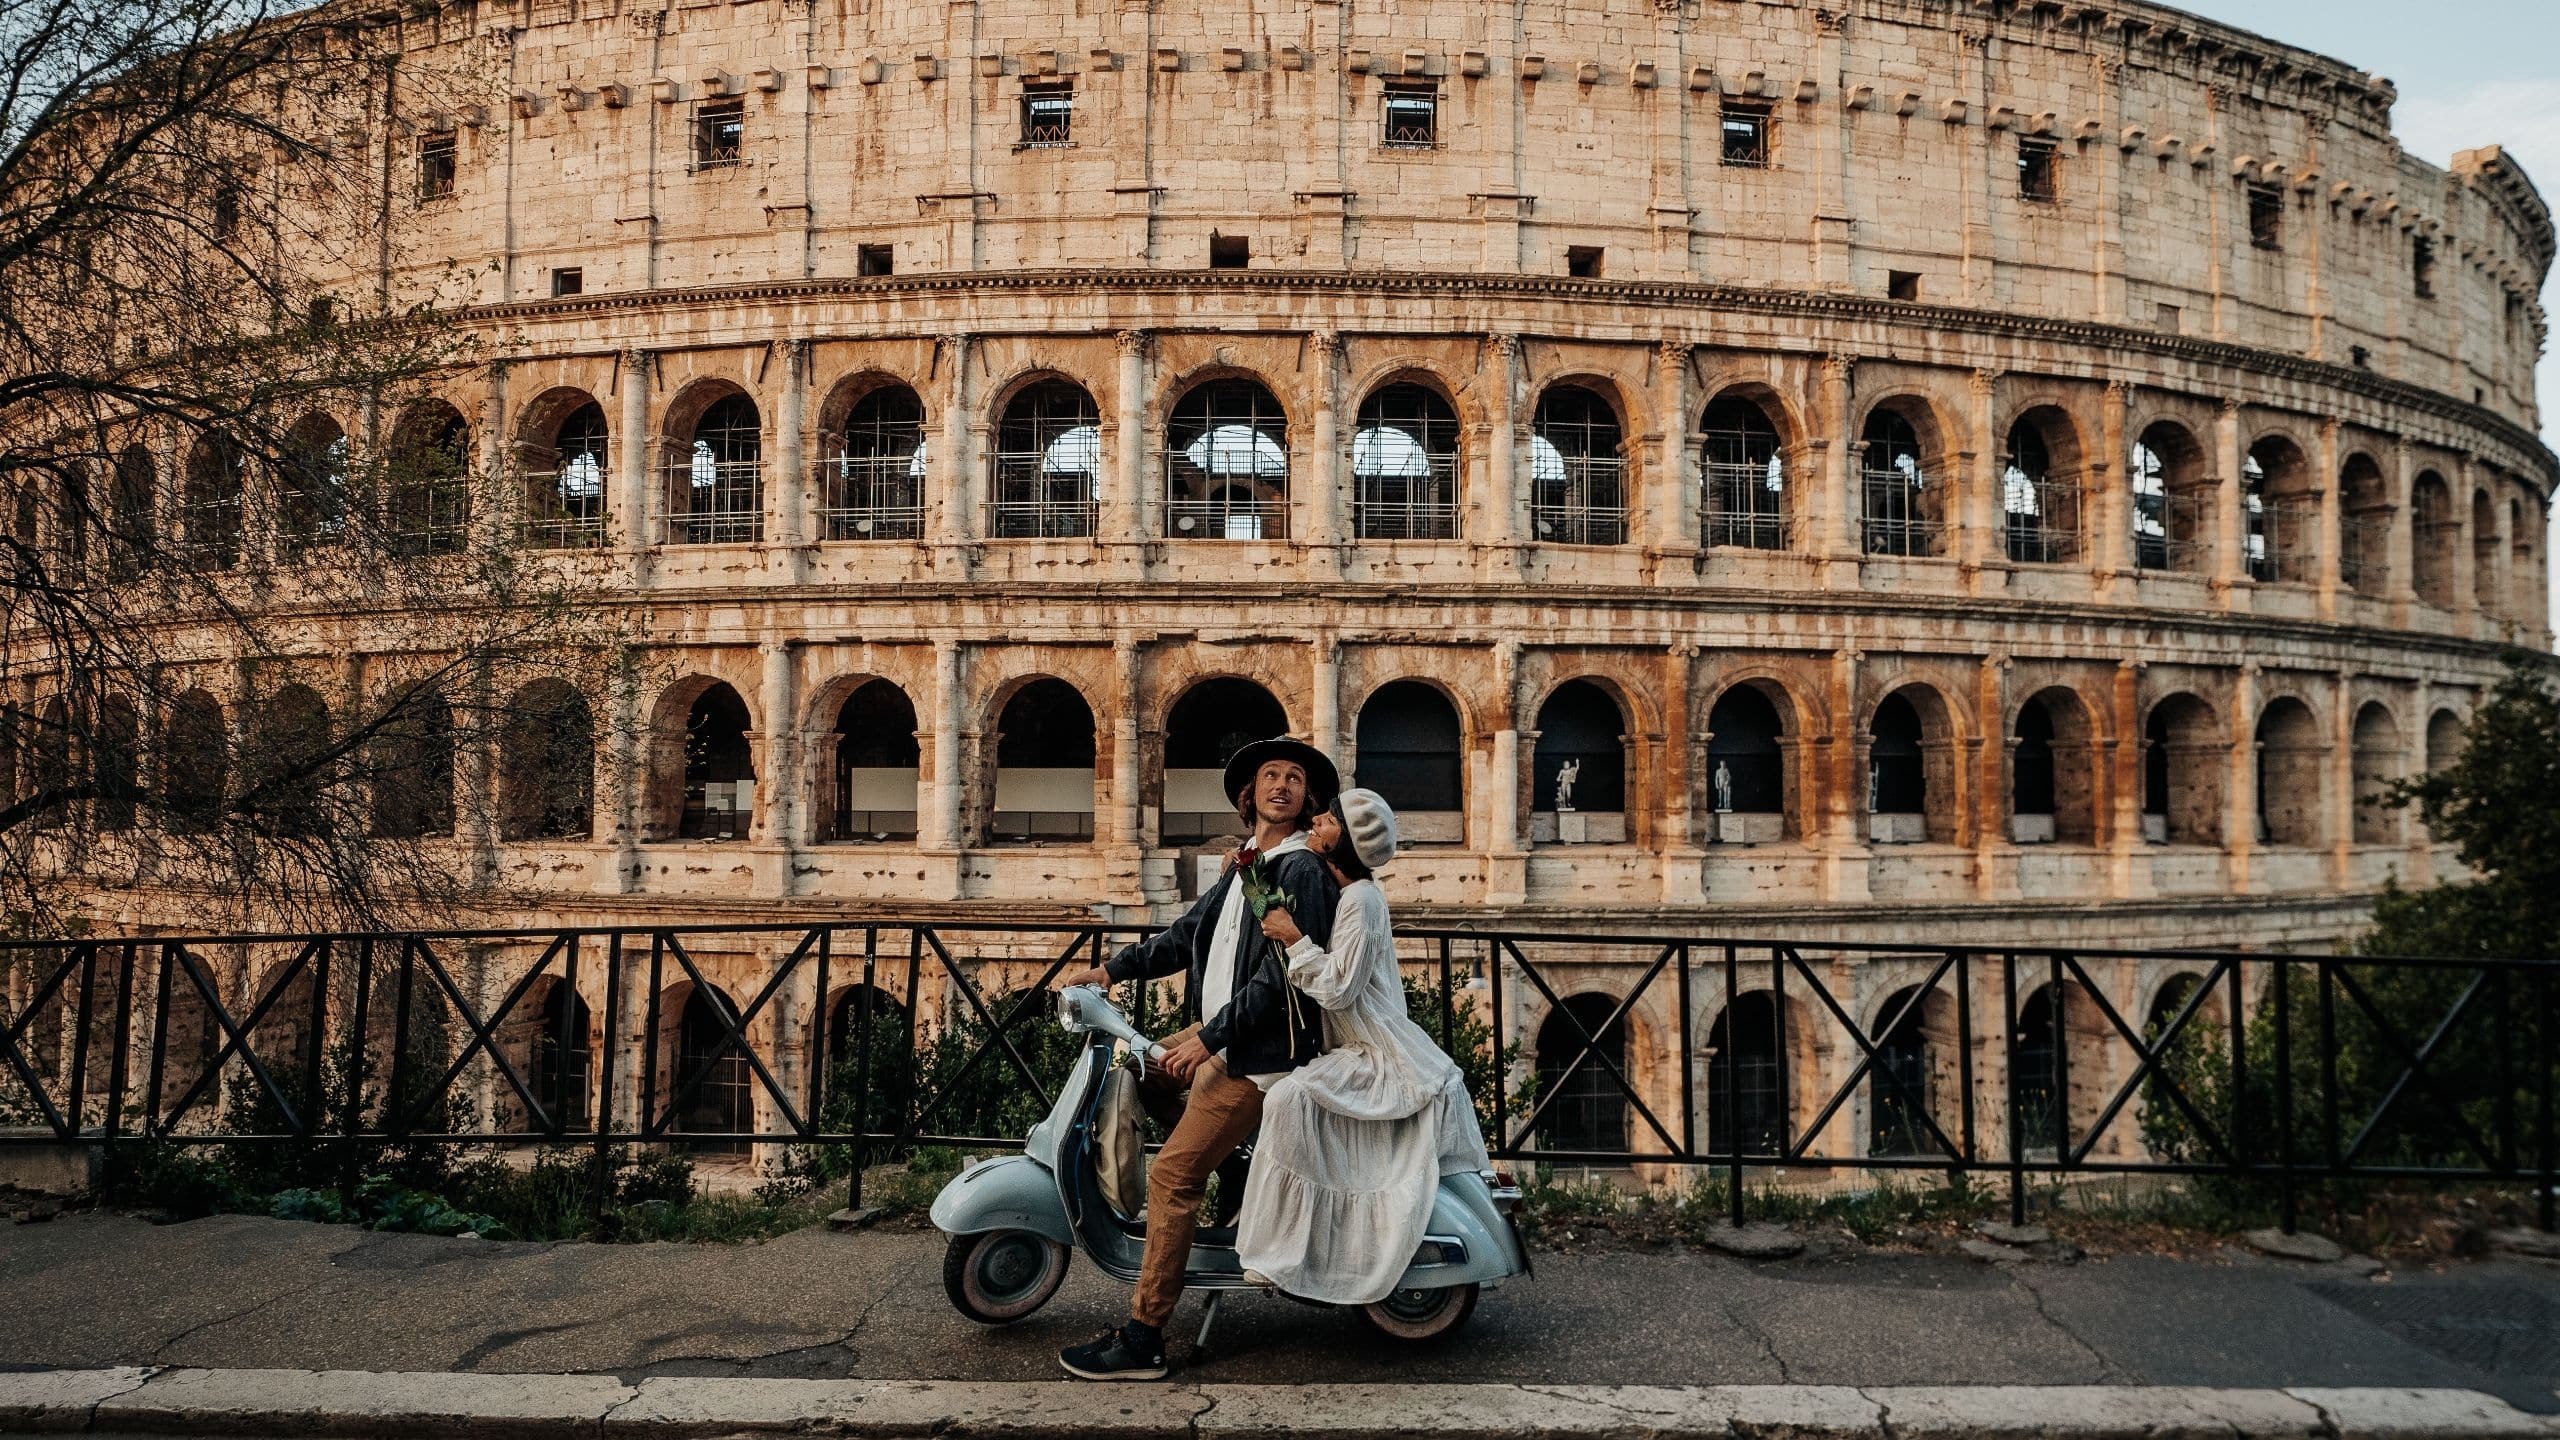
(2038, 174)
(2422, 267)
(2266, 217)
(568, 280)
(1746, 134)
(1412, 116)
(1902, 284)
(226, 210)
(435, 165)
(1582, 262)
(1229, 252)
(324, 312)
(1048, 112)
(719, 134)
(2173, 320)
(875, 259)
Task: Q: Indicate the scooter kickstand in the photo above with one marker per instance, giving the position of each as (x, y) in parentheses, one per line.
(1208, 1317)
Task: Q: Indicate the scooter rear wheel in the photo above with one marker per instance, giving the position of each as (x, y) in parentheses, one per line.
(1417, 1316)
(999, 1276)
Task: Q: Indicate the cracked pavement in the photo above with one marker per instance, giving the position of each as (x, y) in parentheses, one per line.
(243, 1292)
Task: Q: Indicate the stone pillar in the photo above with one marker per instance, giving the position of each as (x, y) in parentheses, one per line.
(2506, 615)
(496, 499)
(2132, 874)
(1324, 698)
(1128, 823)
(2240, 790)
(2333, 504)
(2403, 542)
(636, 517)
(1988, 807)
(2107, 490)
(1982, 543)
(1844, 842)
(1507, 864)
(2341, 816)
(1667, 514)
(1499, 526)
(1125, 514)
(2466, 591)
(1683, 748)
(2413, 763)
(781, 811)
(1835, 507)
(955, 488)
(1323, 507)
(2229, 536)
(625, 791)
(786, 492)
(939, 827)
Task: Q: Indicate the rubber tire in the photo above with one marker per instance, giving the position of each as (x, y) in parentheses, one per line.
(964, 1277)
(1457, 1302)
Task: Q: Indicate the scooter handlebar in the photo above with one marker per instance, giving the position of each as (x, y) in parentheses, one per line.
(1086, 1008)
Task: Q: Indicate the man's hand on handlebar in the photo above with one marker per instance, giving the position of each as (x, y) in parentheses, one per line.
(1183, 1057)
(1090, 975)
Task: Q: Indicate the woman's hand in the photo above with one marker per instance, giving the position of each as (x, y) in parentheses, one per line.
(1277, 923)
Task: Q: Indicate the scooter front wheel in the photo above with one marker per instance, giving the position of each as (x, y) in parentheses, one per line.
(1421, 1315)
(998, 1276)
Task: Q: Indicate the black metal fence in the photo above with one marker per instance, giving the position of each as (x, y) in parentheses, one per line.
(1744, 1057)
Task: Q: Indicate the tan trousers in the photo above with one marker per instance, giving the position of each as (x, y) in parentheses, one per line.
(1222, 1111)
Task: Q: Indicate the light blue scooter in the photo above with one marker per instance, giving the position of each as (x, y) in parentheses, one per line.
(1013, 1220)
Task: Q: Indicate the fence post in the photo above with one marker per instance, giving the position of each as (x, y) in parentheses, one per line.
(862, 1062)
(2009, 1069)
(603, 1180)
(75, 1107)
(116, 1068)
(353, 1120)
(2548, 1052)
(1972, 1146)
(1731, 1103)
(1688, 1076)
(2291, 1219)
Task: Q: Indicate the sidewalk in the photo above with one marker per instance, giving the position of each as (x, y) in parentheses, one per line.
(236, 1294)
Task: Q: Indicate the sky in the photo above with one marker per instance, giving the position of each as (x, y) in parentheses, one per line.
(2470, 73)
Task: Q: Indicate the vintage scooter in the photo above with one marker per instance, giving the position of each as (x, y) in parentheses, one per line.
(1012, 1220)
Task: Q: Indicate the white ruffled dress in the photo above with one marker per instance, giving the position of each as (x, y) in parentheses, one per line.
(1354, 1143)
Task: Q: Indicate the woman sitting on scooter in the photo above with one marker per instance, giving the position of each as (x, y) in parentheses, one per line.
(1353, 1143)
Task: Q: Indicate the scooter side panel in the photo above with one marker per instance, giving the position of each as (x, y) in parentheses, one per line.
(1464, 1211)
(1013, 1193)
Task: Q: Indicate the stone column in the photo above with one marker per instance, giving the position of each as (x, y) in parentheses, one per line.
(1324, 698)
(1843, 799)
(2229, 536)
(1323, 507)
(786, 493)
(2341, 819)
(497, 499)
(782, 808)
(1683, 861)
(1499, 527)
(2132, 876)
(625, 790)
(2240, 790)
(2333, 502)
(2506, 616)
(956, 490)
(2107, 490)
(1835, 512)
(940, 824)
(1128, 823)
(1981, 547)
(1667, 517)
(2466, 591)
(636, 517)
(1987, 808)
(1125, 515)
(1507, 858)
(2413, 763)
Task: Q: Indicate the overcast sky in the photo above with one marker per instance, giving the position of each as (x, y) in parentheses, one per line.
(2470, 72)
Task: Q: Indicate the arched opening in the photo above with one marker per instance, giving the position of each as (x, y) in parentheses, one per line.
(51, 765)
(2292, 764)
(2172, 511)
(871, 479)
(1745, 476)
(2183, 762)
(1578, 775)
(72, 515)
(2203, 1038)
(2364, 527)
(1411, 750)
(883, 1080)
(1912, 1084)
(554, 1048)
(2280, 516)
(1226, 464)
(116, 761)
(716, 495)
(2445, 739)
(1747, 773)
(546, 764)
(2056, 1063)
(195, 763)
(1047, 468)
(2485, 553)
(411, 757)
(2050, 782)
(1404, 465)
(1899, 509)
(133, 527)
(719, 769)
(427, 481)
(2524, 578)
(1212, 721)
(565, 496)
(1746, 1096)
(1589, 1112)
(879, 765)
(2438, 531)
(1910, 784)
(2040, 489)
(2031, 777)
(1577, 469)
(212, 518)
(711, 1085)
(2376, 764)
(312, 497)
(289, 769)
(1044, 767)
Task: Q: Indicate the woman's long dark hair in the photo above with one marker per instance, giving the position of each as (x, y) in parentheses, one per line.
(1344, 858)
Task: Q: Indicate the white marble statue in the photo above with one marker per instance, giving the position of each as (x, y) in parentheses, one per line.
(1569, 772)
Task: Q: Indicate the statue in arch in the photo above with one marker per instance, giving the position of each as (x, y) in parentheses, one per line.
(1723, 783)
(1569, 772)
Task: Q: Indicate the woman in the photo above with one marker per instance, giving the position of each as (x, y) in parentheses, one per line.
(1353, 1143)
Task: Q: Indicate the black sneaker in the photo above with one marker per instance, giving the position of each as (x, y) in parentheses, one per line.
(1124, 1352)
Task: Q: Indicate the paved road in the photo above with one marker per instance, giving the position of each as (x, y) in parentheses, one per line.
(237, 1291)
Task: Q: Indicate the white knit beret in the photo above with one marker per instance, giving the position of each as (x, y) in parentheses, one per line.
(1370, 827)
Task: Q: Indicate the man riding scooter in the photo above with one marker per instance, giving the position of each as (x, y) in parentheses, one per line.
(1254, 1028)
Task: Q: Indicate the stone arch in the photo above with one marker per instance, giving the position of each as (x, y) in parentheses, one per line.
(2445, 739)
(1045, 457)
(546, 764)
(1408, 441)
(705, 1090)
(2053, 768)
(410, 761)
(1918, 1045)
(714, 432)
(1411, 748)
(2484, 552)
(210, 495)
(1592, 1113)
(1044, 763)
(564, 462)
(701, 770)
(2042, 470)
(1578, 461)
(2169, 480)
(1757, 737)
(195, 763)
(288, 777)
(873, 438)
(868, 769)
(2185, 756)
(116, 763)
(2058, 1050)
(133, 519)
(2378, 751)
(2292, 773)
(1583, 722)
(1746, 435)
(1227, 457)
(550, 1040)
(1910, 738)
(2279, 510)
(1765, 1061)
(2526, 597)
(1906, 483)
(2437, 531)
(1410, 368)
(2365, 516)
(313, 483)
(427, 479)
(1208, 722)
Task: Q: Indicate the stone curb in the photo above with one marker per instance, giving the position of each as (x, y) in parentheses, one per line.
(135, 1401)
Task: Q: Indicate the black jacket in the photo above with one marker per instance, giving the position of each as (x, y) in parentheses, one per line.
(1265, 1025)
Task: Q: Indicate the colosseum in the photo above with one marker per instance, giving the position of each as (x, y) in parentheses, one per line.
(1876, 471)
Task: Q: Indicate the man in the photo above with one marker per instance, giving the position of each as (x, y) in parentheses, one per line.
(1255, 1028)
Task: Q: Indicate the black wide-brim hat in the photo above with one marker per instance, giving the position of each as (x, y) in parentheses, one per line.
(1322, 781)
